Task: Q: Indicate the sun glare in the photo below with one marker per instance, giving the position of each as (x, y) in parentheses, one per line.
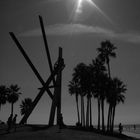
(79, 6)
(79, 9)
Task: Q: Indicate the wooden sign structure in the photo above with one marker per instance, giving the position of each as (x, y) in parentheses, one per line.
(55, 78)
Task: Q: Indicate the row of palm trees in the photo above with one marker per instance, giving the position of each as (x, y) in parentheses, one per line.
(94, 80)
(11, 95)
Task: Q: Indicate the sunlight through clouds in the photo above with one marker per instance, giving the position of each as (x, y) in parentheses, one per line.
(79, 6)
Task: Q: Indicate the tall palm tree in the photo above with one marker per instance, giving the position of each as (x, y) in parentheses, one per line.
(86, 86)
(87, 89)
(25, 105)
(109, 97)
(13, 95)
(80, 76)
(3, 95)
(103, 88)
(89, 112)
(74, 90)
(119, 88)
(106, 51)
(97, 68)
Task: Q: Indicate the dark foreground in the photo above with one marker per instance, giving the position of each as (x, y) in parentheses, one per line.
(36, 132)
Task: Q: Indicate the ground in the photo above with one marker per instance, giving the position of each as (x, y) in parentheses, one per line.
(53, 133)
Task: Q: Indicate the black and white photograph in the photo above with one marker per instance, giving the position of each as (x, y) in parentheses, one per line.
(70, 69)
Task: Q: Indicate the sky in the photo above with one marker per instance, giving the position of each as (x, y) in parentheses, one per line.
(79, 30)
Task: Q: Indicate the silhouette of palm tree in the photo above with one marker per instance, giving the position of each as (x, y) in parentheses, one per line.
(25, 105)
(74, 90)
(3, 95)
(103, 88)
(105, 52)
(97, 67)
(115, 97)
(95, 81)
(87, 90)
(80, 76)
(13, 95)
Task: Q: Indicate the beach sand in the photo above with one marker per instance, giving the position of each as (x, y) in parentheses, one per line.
(53, 133)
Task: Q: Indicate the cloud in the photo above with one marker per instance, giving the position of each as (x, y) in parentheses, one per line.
(78, 29)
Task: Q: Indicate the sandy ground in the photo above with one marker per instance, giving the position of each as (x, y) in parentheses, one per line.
(52, 133)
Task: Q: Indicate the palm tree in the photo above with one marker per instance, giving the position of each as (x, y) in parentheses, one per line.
(89, 112)
(25, 105)
(80, 76)
(109, 97)
(103, 89)
(13, 95)
(118, 88)
(97, 68)
(105, 52)
(74, 90)
(87, 89)
(3, 95)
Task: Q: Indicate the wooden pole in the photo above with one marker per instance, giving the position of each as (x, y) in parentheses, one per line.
(56, 103)
(30, 63)
(46, 45)
(36, 100)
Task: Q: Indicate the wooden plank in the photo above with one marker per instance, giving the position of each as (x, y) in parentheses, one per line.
(30, 63)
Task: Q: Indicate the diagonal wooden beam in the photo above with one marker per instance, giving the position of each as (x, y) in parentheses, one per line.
(30, 63)
(46, 45)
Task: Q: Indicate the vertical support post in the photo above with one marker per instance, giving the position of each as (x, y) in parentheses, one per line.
(59, 87)
(57, 93)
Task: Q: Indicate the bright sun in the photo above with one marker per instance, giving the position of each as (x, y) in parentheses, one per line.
(79, 5)
(79, 9)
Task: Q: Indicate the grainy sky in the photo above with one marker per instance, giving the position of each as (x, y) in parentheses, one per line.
(79, 33)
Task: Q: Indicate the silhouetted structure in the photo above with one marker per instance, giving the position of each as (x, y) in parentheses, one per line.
(55, 77)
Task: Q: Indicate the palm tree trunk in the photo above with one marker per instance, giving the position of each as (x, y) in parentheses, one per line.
(109, 73)
(87, 113)
(90, 112)
(110, 111)
(78, 115)
(12, 108)
(102, 104)
(109, 115)
(113, 117)
(83, 111)
(98, 114)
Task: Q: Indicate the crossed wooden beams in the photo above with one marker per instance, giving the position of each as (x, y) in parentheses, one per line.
(55, 77)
